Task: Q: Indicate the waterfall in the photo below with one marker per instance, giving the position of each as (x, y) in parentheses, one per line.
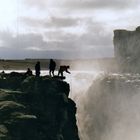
(108, 105)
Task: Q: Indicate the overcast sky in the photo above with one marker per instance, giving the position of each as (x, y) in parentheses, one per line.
(63, 28)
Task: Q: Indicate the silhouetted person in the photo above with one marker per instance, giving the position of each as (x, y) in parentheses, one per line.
(2, 74)
(62, 69)
(29, 72)
(52, 66)
(37, 69)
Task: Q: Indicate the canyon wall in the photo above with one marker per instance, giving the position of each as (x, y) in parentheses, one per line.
(127, 49)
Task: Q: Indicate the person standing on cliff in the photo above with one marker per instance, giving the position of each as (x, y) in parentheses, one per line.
(37, 69)
(52, 66)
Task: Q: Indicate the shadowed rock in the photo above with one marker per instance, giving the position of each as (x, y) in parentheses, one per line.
(39, 109)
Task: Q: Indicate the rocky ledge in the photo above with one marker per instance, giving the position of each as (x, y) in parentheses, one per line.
(36, 108)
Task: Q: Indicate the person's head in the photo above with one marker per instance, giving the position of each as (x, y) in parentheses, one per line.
(38, 62)
(68, 67)
(51, 59)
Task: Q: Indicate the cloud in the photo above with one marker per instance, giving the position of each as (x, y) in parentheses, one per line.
(62, 22)
(95, 35)
(36, 3)
(83, 4)
(95, 4)
(21, 41)
(59, 44)
(53, 22)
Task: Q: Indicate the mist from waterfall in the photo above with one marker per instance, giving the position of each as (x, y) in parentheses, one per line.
(107, 109)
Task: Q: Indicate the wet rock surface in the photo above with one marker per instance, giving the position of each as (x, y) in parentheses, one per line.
(36, 108)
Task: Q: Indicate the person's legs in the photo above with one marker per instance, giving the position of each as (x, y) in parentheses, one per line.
(53, 72)
(58, 72)
(50, 72)
(62, 73)
(37, 74)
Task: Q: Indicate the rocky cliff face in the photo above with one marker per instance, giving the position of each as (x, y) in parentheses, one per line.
(127, 49)
(37, 108)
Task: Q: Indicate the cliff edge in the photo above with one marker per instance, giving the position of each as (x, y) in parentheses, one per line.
(36, 108)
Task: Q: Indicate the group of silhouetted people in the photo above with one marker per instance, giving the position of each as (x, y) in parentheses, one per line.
(52, 67)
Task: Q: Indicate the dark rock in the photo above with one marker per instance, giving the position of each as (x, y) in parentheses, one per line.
(39, 110)
(12, 80)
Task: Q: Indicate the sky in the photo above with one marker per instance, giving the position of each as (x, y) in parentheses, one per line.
(63, 29)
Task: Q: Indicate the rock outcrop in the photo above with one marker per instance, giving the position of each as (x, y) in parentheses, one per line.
(127, 49)
(36, 108)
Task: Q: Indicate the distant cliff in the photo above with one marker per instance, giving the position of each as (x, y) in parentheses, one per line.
(36, 109)
(127, 49)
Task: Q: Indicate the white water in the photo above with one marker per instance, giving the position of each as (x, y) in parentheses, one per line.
(80, 82)
(106, 114)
